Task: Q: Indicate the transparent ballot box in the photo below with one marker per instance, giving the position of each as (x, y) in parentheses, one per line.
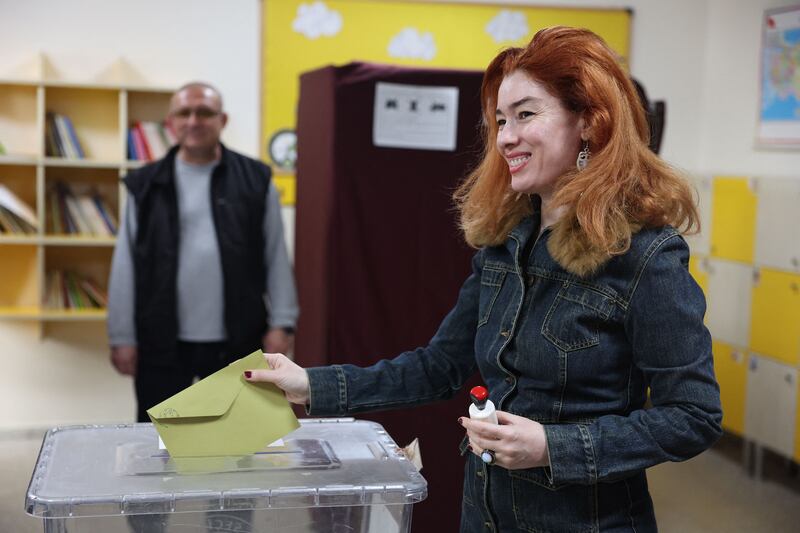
(330, 475)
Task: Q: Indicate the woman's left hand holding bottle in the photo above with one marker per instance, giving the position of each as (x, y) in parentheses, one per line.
(517, 442)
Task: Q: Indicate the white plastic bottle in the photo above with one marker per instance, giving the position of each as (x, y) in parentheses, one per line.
(482, 407)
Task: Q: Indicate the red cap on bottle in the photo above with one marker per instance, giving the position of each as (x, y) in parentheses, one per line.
(479, 395)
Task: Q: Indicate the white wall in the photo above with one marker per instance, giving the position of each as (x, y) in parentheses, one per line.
(730, 94)
(701, 56)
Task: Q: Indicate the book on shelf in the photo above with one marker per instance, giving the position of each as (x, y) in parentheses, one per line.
(131, 147)
(15, 215)
(141, 153)
(76, 215)
(153, 138)
(60, 138)
(72, 136)
(52, 144)
(63, 134)
(92, 214)
(106, 213)
(69, 290)
(148, 140)
(79, 213)
(97, 296)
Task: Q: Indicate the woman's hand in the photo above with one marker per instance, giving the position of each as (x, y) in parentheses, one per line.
(517, 442)
(289, 377)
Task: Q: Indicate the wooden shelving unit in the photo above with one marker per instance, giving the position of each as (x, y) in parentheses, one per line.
(101, 112)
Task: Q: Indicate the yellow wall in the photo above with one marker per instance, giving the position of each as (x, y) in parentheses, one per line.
(367, 28)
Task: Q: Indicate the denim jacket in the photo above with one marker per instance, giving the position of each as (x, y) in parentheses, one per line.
(578, 354)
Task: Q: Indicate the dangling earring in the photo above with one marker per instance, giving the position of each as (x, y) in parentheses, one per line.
(583, 156)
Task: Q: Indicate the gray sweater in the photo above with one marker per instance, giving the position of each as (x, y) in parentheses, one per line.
(200, 284)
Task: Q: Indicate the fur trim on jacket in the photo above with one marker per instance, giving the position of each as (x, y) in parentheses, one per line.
(570, 247)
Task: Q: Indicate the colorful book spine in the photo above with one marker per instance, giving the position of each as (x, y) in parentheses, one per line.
(50, 145)
(55, 213)
(154, 140)
(97, 296)
(132, 156)
(73, 137)
(108, 219)
(141, 148)
(58, 142)
(63, 134)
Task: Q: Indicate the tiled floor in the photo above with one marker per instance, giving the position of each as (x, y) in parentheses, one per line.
(709, 494)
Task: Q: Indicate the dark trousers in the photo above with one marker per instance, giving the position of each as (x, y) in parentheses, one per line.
(154, 384)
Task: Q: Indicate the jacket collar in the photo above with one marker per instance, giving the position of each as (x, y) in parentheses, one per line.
(566, 242)
(527, 229)
(165, 167)
(573, 251)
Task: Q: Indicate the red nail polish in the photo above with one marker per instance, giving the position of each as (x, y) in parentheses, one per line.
(248, 374)
(460, 420)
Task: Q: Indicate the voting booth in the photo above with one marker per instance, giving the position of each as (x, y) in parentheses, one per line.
(379, 255)
(329, 475)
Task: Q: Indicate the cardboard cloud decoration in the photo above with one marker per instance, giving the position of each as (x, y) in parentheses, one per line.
(508, 25)
(317, 20)
(411, 44)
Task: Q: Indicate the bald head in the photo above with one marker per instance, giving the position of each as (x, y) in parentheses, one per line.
(201, 88)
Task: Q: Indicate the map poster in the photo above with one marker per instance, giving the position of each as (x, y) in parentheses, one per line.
(779, 112)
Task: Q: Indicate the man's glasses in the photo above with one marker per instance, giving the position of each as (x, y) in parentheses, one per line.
(199, 112)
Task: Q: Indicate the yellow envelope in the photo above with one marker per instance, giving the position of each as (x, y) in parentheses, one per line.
(224, 414)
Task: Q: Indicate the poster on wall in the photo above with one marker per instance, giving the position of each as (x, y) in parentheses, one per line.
(412, 116)
(303, 35)
(779, 115)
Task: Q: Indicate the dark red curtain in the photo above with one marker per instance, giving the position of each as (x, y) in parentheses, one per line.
(379, 257)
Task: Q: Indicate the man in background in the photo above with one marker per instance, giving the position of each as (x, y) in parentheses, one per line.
(200, 275)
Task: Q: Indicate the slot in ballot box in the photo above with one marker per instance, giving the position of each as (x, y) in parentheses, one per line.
(330, 475)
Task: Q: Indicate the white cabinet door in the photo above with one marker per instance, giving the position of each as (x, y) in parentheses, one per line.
(700, 244)
(729, 294)
(771, 404)
(778, 223)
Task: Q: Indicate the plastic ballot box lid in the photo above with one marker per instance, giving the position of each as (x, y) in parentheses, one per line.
(85, 471)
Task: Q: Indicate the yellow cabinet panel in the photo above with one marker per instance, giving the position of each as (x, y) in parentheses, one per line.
(775, 316)
(730, 367)
(733, 219)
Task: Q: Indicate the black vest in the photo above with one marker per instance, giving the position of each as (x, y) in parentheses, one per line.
(239, 187)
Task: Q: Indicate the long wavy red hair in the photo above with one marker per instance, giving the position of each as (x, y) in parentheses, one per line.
(624, 185)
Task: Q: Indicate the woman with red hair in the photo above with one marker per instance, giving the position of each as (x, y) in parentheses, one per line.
(580, 313)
